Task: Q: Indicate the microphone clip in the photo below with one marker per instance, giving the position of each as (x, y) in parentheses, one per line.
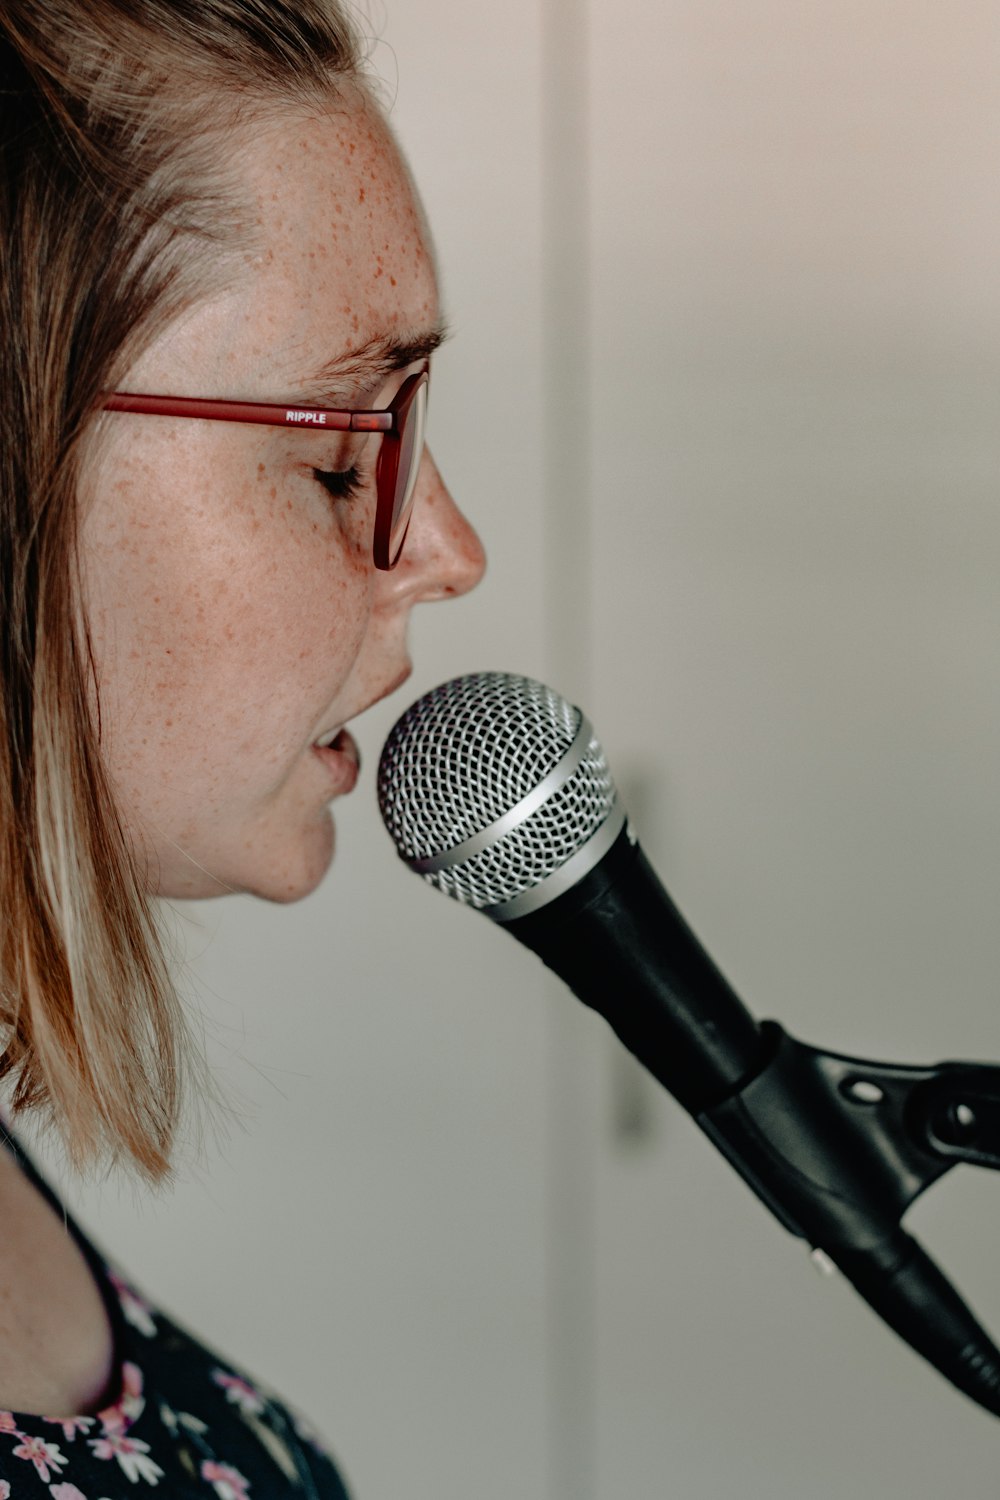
(839, 1148)
(957, 1113)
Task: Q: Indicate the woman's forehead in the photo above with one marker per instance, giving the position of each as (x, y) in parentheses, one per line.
(338, 257)
(342, 252)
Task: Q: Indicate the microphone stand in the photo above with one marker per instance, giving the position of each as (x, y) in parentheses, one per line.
(838, 1148)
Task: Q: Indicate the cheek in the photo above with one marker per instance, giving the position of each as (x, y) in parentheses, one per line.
(227, 610)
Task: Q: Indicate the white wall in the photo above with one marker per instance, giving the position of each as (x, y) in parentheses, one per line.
(796, 313)
(785, 319)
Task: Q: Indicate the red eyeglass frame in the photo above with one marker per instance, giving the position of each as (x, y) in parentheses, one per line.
(389, 422)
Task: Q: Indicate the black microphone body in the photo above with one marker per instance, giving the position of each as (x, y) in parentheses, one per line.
(624, 949)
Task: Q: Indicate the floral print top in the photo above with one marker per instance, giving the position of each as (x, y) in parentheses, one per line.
(185, 1423)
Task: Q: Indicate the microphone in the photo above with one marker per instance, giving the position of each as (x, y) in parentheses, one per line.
(497, 792)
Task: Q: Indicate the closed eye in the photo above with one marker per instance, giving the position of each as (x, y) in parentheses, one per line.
(341, 484)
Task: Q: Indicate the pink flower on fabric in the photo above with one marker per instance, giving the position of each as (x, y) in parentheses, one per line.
(131, 1454)
(133, 1401)
(239, 1391)
(64, 1492)
(70, 1427)
(7, 1423)
(4, 1490)
(113, 1420)
(130, 1405)
(42, 1454)
(229, 1483)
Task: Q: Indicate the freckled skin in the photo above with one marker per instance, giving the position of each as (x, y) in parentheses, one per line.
(235, 609)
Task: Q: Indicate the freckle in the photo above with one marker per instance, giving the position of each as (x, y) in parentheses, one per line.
(274, 492)
(361, 195)
(378, 272)
(393, 280)
(260, 468)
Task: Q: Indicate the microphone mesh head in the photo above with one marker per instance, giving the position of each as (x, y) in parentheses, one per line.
(466, 754)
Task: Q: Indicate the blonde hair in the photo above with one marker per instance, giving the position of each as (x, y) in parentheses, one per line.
(114, 215)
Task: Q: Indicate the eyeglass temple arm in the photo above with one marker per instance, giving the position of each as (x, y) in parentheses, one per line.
(258, 413)
(838, 1148)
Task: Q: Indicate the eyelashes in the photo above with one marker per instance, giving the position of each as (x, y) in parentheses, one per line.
(355, 471)
(341, 484)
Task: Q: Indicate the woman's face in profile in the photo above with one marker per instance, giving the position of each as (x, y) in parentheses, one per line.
(235, 610)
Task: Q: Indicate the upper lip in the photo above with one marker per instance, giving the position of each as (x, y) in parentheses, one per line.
(333, 731)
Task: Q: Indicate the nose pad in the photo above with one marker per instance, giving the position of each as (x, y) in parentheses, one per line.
(442, 556)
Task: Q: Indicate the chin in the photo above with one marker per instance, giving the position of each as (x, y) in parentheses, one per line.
(301, 871)
(281, 871)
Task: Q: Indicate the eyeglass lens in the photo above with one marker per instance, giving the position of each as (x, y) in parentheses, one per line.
(411, 447)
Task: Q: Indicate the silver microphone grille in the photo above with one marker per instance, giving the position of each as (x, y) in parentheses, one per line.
(495, 789)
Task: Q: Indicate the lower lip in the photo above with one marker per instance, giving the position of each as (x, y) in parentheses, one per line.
(342, 761)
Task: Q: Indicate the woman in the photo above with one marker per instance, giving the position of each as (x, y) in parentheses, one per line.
(201, 202)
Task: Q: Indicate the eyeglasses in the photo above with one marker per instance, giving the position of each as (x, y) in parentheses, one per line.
(400, 424)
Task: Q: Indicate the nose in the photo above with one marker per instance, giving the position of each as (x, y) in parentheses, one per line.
(442, 556)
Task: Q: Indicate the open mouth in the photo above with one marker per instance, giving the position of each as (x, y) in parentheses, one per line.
(338, 751)
(328, 739)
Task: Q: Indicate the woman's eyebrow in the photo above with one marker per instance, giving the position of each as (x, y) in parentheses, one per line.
(369, 365)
